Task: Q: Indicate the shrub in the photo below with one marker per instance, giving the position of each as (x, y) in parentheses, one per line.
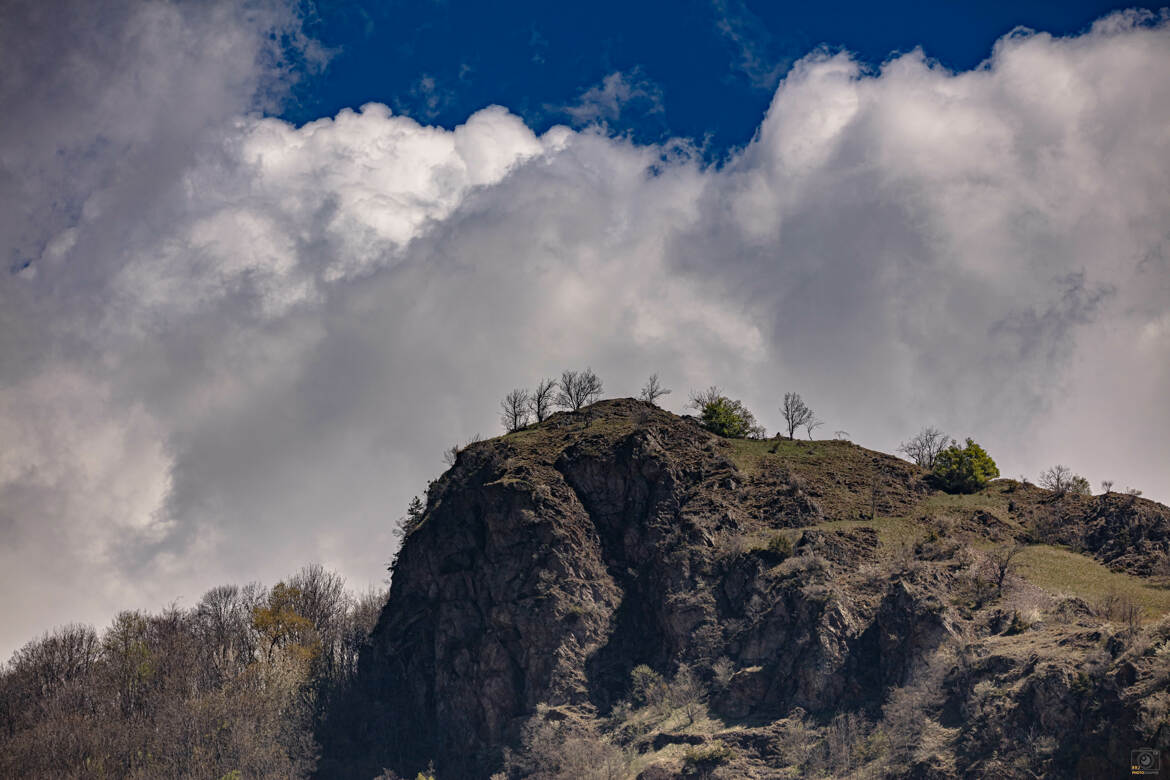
(779, 547)
(707, 756)
(1062, 481)
(647, 686)
(721, 673)
(729, 418)
(964, 469)
(1118, 608)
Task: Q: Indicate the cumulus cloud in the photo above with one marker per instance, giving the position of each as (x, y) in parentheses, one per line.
(232, 346)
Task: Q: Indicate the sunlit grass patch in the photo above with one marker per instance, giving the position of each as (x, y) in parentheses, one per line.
(1061, 570)
(891, 531)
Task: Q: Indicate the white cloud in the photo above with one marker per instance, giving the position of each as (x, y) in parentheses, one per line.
(239, 346)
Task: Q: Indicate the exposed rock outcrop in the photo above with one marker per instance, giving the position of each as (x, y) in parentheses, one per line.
(552, 561)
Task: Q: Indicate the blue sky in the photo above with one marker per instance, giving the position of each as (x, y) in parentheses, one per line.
(709, 67)
(244, 317)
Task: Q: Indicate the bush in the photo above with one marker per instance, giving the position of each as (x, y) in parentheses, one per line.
(647, 688)
(707, 756)
(964, 469)
(1062, 481)
(780, 547)
(729, 418)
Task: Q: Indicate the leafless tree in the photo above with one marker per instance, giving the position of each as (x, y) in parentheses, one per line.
(925, 447)
(223, 622)
(841, 435)
(701, 398)
(57, 658)
(577, 389)
(1062, 481)
(322, 598)
(1118, 608)
(796, 413)
(514, 410)
(687, 692)
(812, 425)
(1106, 486)
(653, 390)
(360, 620)
(184, 693)
(451, 454)
(541, 400)
(1003, 563)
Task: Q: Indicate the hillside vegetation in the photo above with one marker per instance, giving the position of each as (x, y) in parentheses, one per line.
(232, 688)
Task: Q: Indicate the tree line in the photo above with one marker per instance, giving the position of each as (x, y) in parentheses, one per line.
(233, 687)
(954, 468)
(717, 412)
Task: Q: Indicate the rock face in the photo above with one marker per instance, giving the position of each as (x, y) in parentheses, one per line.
(551, 562)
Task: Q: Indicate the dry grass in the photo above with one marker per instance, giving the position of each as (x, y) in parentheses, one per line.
(1060, 570)
(753, 455)
(891, 531)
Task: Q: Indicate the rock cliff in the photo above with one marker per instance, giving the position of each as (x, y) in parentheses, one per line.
(810, 591)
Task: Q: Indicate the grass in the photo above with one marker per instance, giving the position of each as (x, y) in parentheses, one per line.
(991, 499)
(752, 455)
(1061, 570)
(891, 531)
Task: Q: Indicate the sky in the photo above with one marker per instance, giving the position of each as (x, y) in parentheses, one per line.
(266, 262)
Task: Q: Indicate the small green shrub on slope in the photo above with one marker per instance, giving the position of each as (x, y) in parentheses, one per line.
(729, 418)
(964, 469)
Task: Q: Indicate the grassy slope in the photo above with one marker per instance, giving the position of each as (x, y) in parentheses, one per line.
(841, 475)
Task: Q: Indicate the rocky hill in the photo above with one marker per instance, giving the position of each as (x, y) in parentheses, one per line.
(618, 593)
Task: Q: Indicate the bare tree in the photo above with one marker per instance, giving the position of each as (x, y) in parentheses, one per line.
(687, 692)
(1003, 563)
(322, 598)
(577, 389)
(1106, 486)
(811, 425)
(653, 390)
(514, 410)
(540, 400)
(925, 447)
(701, 398)
(451, 454)
(1062, 481)
(796, 413)
(841, 435)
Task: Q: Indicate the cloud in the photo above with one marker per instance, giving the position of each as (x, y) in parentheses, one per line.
(617, 92)
(751, 41)
(231, 346)
(428, 97)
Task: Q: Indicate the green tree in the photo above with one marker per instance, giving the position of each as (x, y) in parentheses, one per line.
(729, 418)
(280, 623)
(963, 469)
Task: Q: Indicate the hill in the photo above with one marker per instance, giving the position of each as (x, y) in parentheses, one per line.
(618, 593)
